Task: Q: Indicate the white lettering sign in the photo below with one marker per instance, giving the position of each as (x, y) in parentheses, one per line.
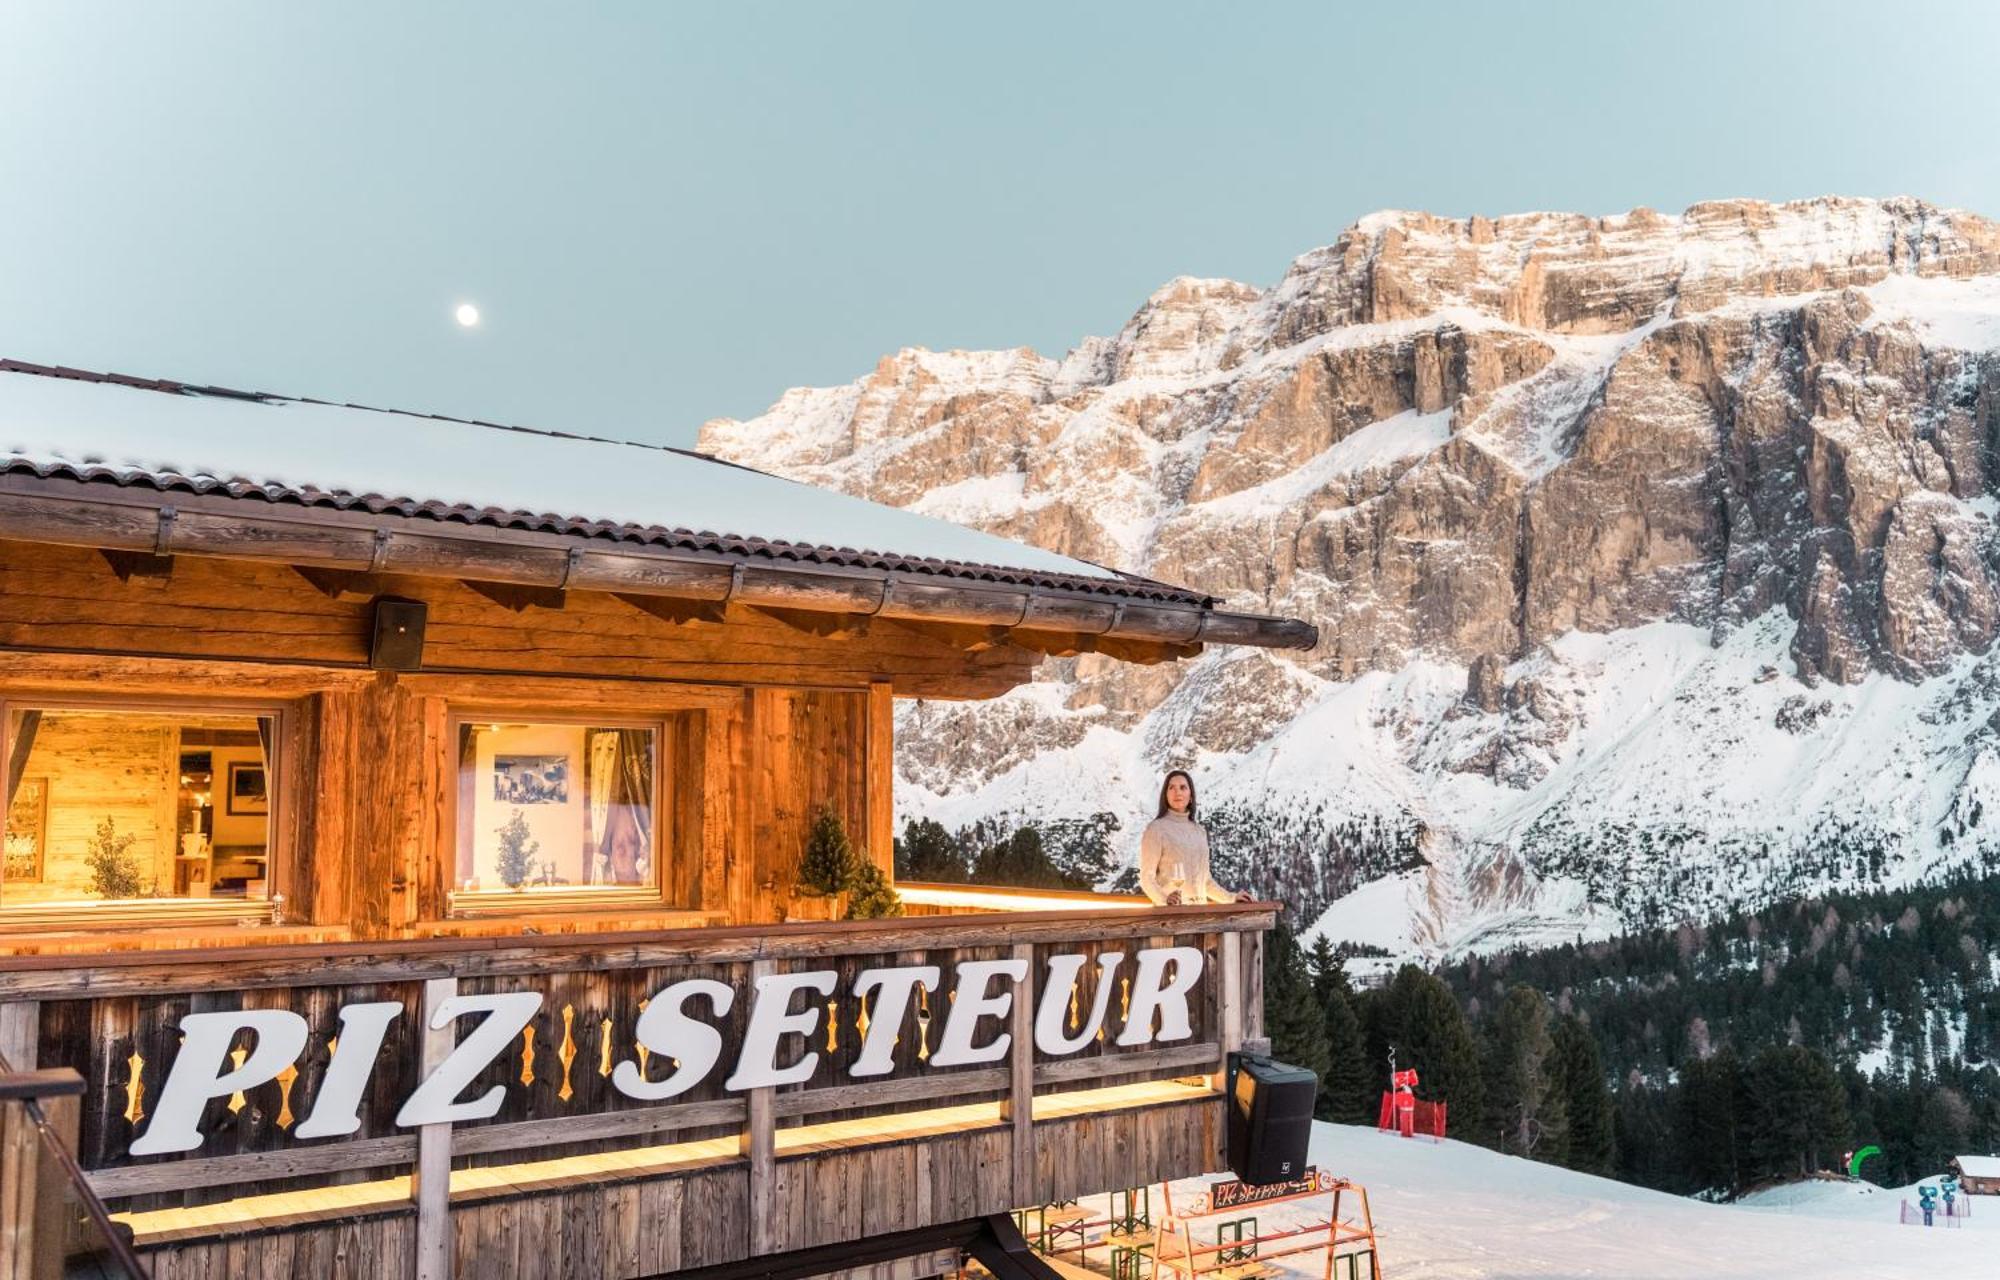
(669, 1028)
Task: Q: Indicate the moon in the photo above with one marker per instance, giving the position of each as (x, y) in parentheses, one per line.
(468, 315)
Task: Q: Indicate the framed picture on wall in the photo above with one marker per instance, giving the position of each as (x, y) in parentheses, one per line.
(249, 791)
(26, 832)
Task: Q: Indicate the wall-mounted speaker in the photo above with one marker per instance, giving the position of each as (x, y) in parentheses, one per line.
(398, 643)
(1270, 1118)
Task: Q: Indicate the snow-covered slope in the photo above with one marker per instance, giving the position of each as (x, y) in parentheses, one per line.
(1448, 1211)
(1654, 559)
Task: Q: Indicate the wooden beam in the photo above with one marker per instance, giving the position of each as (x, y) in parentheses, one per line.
(1144, 652)
(519, 598)
(37, 977)
(430, 1182)
(814, 623)
(1229, 995)
(343, 584)
(971, 637)
(675, 609)
(66, 513)
(139, 568)
(1021, 1067)
(760, 1145)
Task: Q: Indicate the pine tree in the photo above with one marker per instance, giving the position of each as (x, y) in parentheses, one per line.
(927, 853)
(1329, 971)
(873, 897)
(1350, 1091)
(517, 851)
(1296, 1024)
(1521, 1097)
(1795, 1112)
(1579, 1076)
(1708, 1120)
(1429, 1032)
(829, 863)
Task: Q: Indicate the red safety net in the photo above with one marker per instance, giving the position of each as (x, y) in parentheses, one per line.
(1411, 1116)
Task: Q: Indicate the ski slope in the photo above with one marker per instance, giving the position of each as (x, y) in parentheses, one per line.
(1449, 1211)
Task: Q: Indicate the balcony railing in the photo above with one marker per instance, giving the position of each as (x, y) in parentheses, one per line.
(253, 1072)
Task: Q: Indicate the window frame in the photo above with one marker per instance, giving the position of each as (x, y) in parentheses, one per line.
(504, 903)
(280, 833)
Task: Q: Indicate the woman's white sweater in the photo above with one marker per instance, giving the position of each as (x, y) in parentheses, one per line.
(1173, 858)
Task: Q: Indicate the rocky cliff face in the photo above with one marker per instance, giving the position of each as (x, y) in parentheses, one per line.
(1513, 468)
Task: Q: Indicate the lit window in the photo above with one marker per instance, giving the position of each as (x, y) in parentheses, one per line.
(109, 809)
(549, 808)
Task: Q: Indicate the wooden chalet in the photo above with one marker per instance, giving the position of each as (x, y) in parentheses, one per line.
(371, 776)
(1978, 1175)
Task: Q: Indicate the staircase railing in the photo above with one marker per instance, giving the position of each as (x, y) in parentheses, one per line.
(35, 1236)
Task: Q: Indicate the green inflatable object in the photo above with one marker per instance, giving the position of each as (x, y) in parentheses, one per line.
(1854, 1162)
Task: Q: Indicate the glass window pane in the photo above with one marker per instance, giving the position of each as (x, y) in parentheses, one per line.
(109, 805)
(555, 806)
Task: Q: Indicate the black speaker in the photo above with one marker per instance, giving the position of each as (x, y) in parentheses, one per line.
(1270, 1118)
(398, 644)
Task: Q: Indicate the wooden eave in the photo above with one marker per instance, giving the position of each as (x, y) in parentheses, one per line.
(140, 522)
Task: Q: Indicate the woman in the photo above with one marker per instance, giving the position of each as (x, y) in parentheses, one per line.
(1173, 852)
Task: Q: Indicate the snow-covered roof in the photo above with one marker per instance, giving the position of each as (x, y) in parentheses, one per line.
(176, 436)
(1979, 1166)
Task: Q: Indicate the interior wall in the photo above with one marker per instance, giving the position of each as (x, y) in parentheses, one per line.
(98, 767)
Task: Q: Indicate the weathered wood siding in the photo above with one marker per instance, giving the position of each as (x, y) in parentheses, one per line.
(364, 845)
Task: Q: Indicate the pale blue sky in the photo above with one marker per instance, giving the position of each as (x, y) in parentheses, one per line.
(673, 212)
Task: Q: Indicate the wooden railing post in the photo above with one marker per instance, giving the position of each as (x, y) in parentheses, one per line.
(1230, 983)
(760, 1139)
(1254, 1038)
(430, 1183)
(19, 1148)
(1021, 1095)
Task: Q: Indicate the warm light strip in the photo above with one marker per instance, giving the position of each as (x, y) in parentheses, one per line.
(155, 1226)
(1012, 900)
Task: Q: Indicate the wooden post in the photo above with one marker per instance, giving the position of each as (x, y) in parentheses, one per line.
(1021, 1099)
(881, 803)
(19, 1148)
(1230, 981)
(430, 1183)
(760, 1144)
(1254, 1038)
(56, 1204)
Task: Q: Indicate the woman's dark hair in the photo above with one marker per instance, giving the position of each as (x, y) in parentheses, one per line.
(1167, 782)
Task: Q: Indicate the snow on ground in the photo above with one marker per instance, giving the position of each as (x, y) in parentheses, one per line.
(1449, 1211)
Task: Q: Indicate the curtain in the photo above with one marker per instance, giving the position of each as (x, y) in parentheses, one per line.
(25, 725)
(602, 771)
(621, 804)
(468, 757)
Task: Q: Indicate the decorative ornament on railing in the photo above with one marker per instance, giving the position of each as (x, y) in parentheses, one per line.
(567, 1053)
(604, 1048)
(236, 1100)
(287, 1076)
(135, 1105)
(528, 1054)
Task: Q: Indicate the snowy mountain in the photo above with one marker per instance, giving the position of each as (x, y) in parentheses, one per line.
(1654, 559)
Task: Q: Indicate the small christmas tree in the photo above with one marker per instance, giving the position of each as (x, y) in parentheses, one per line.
(114, 872)
(517, 852)
(873, 898)
(829, 863)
